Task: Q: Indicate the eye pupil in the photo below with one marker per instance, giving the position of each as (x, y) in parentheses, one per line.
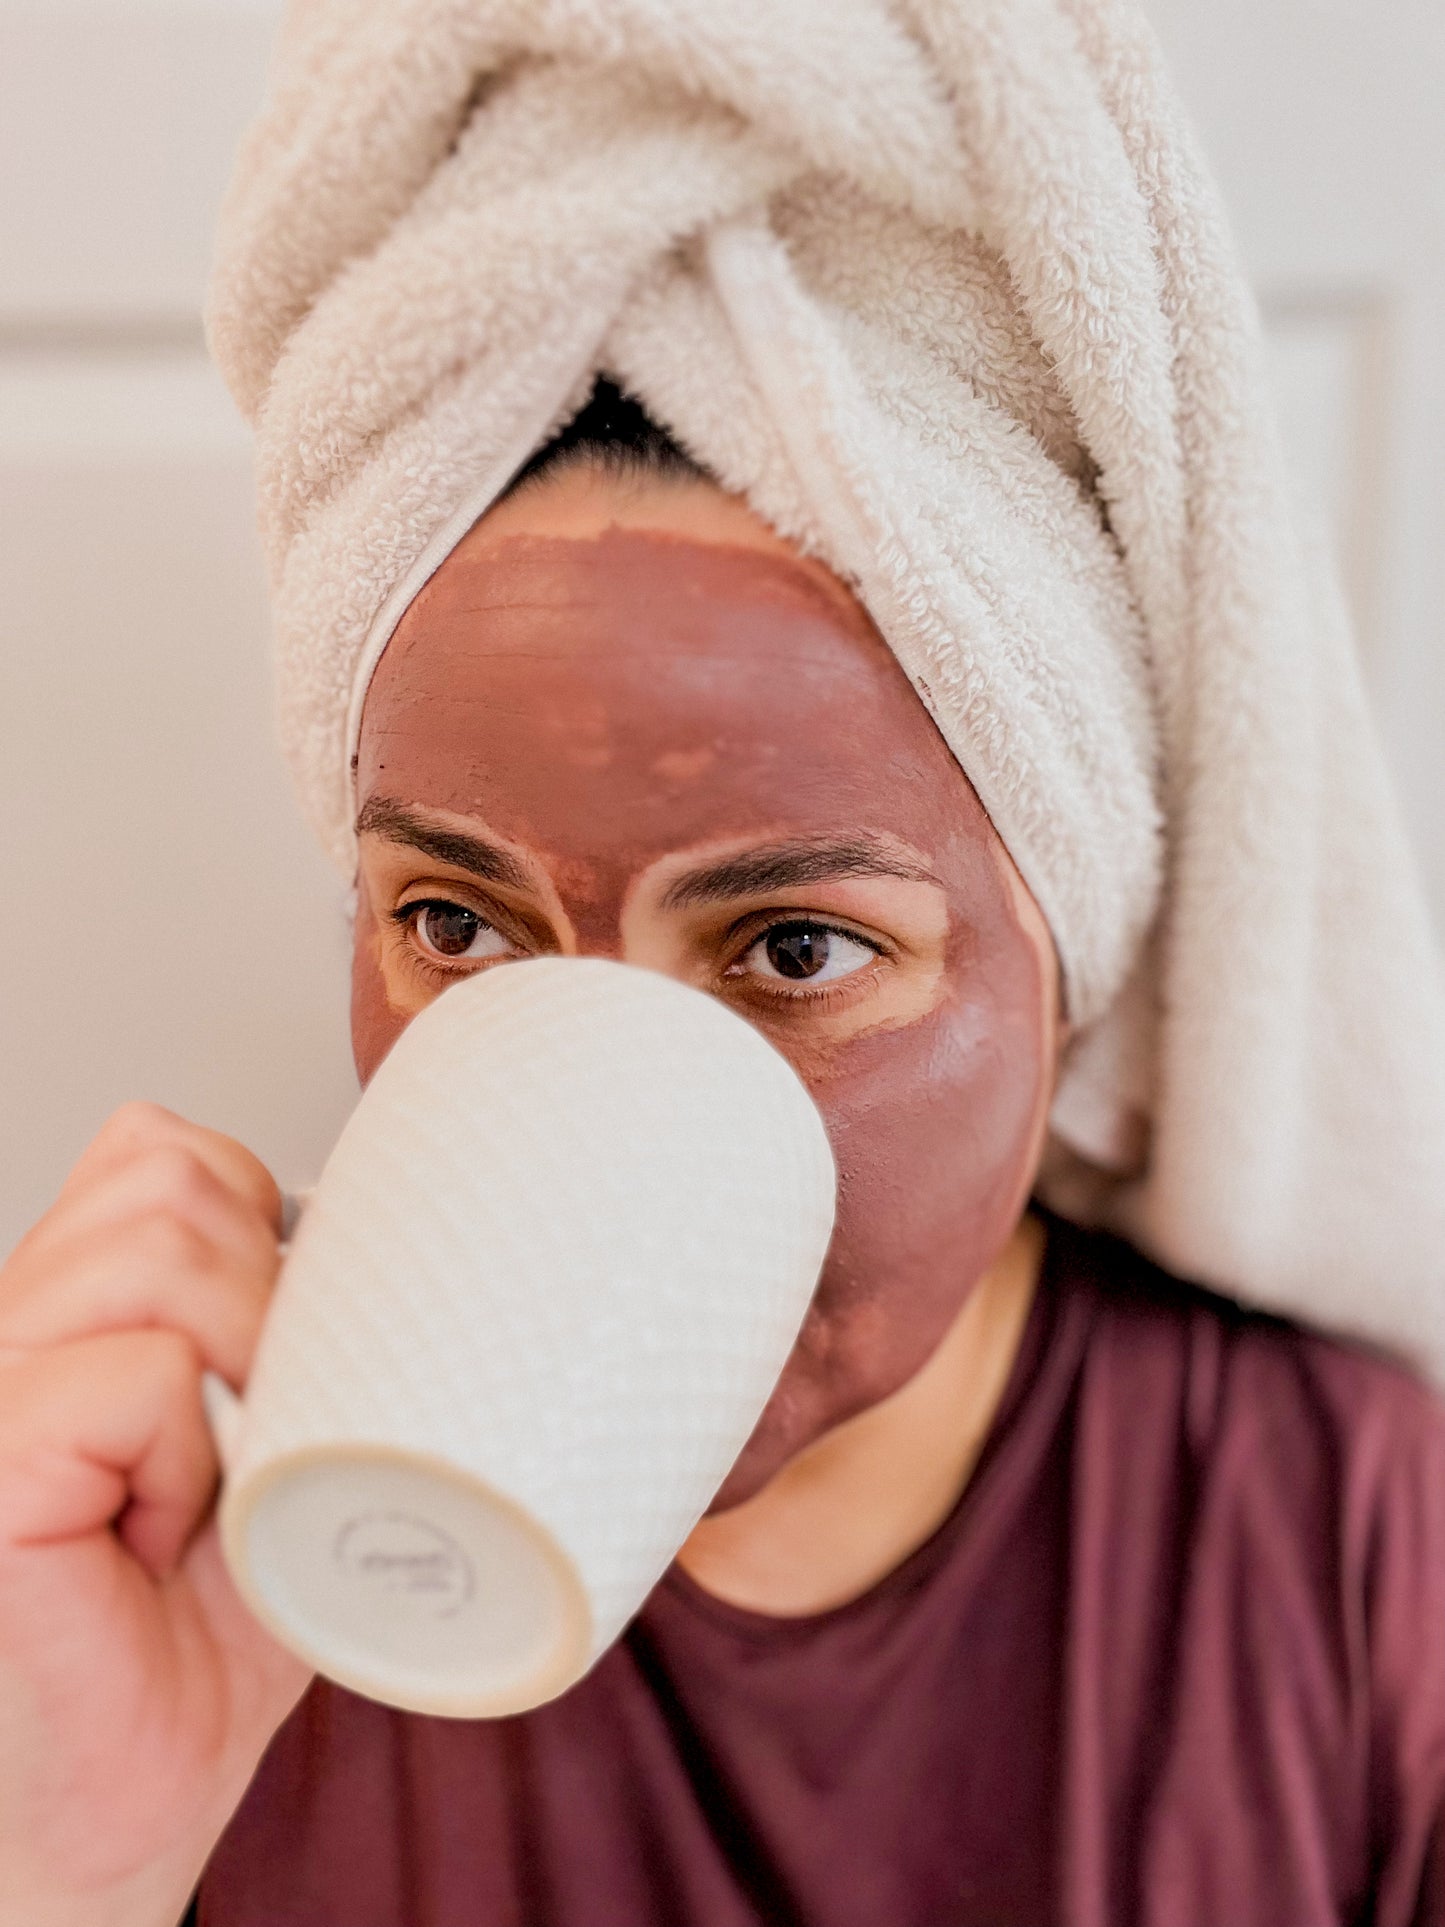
(449, 929)
(797, 949)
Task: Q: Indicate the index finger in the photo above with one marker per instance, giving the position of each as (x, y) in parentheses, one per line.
(141, 1126)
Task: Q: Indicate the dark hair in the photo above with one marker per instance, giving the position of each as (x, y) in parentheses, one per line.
(613, 432)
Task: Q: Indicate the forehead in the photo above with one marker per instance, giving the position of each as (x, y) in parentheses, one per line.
(651, 676)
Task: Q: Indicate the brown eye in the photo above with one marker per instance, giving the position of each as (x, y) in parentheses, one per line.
(803, 952)
(797, 949)
(455, 933)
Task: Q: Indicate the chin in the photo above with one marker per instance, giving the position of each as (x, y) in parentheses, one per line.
(796, 1417)
(796, 1414)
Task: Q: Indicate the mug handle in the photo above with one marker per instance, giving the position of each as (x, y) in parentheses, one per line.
(225, 1412)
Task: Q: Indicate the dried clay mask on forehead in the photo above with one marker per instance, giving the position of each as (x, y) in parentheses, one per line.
(619, 714)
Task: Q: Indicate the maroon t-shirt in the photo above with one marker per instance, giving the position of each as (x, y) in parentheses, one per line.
(1176, 1659)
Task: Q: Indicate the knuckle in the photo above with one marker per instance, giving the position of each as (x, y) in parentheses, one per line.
(177, 1178)
(254, 1183)
(137, 1121)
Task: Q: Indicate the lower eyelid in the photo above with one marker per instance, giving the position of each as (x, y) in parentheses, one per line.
(775, 991)
(779, 990)
(440, 971)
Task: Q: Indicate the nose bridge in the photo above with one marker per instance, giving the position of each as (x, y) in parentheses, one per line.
(612, 910)
(597, 936)
(593, 897)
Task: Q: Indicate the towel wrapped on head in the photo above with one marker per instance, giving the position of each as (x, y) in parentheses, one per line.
(942, 288)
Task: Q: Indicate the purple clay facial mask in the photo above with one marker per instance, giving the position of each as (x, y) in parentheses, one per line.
(609, 712)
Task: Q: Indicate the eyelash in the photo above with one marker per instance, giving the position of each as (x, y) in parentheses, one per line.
(823, 994)
(405, 915)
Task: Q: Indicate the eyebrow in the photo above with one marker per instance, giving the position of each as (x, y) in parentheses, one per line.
(382, 816)
(756, 872)
(778, 866)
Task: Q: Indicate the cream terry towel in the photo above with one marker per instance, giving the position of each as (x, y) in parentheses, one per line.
(942, 288)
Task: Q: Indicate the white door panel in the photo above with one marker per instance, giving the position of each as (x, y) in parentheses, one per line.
(1329, 360)
(1322, 119)
(170, 931)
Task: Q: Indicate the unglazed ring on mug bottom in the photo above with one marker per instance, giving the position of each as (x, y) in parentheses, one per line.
(408, 1580)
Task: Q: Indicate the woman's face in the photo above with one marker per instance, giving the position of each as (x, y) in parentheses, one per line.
(625, 719)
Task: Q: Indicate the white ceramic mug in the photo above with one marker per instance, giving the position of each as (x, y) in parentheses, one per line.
(529, 1317)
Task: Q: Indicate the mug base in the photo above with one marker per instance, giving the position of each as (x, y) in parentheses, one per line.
(408, 1580)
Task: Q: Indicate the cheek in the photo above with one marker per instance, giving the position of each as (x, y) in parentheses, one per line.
(375, 1022)
(935, 1129)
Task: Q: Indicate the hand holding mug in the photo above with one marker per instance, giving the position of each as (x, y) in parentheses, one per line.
(137, 1693)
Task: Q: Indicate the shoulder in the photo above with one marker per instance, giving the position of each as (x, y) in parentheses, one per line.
(1233, 1369)
(1315, 1460)
(1277, 1495)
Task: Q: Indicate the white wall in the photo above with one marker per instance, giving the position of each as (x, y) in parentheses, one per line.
(168, 929)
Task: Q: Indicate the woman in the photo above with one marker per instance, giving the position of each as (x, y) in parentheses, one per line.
(955, 706)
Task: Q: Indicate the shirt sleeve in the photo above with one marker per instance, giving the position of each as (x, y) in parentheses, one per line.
(1404, 1626)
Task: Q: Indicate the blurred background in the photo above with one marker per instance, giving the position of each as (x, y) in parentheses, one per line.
(169, 930)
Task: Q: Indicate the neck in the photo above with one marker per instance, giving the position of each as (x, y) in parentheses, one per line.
(846, 1512)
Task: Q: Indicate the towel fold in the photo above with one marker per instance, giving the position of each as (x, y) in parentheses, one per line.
(943, 289)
